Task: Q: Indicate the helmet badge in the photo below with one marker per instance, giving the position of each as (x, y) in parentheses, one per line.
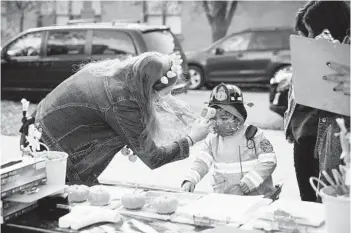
(221, 95)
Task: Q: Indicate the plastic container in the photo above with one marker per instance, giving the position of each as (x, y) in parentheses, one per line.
(56, 167)
(337, 209)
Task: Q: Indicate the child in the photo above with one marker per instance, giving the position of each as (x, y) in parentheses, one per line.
(241, 157)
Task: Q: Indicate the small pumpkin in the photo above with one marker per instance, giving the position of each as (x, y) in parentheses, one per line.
(133, 201)
(77, 193)
(165, 205)
(99, 196)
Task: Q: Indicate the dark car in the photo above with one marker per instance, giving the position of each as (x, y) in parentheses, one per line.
(39, 59)
(247, 57)
(279, 90)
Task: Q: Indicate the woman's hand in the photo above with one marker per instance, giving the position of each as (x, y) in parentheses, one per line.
(180, 113)
(346, 40)
(341, 77)
(200, 129)
(325, 35)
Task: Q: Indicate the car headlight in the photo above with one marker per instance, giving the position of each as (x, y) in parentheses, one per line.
(282, 75)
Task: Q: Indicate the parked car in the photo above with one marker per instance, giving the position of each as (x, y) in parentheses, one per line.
(39, 59)
(246, 57)
(279, 90)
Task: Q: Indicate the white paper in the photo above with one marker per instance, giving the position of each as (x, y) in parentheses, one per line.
(308, 213)
(222, 207)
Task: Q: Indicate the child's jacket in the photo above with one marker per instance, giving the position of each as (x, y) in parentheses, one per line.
(234, 158)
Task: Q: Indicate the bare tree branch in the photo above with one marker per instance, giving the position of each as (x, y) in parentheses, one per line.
(207, 11)
(220, 6)
(23, 5)
(18, 5)
(232, 10)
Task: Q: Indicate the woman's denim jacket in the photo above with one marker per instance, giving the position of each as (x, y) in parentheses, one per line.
(92, 118)
(327, 148)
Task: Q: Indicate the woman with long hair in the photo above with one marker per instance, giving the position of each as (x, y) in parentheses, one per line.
(111, 104)
(311, 130)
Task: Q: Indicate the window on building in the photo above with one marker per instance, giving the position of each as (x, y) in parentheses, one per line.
(239, 42)
(27, 45)
(108, 42)
(66, 42)
(167, 13)
(286, 38)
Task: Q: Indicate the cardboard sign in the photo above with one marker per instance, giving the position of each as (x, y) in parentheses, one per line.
(309, 59)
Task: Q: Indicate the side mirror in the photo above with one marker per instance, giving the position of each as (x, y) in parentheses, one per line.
(5, 56)
(219, 51)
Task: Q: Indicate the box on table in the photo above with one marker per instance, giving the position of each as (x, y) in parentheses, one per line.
(26, 174)
(11, 210)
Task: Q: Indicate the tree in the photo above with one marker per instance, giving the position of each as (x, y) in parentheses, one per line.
(219, 15)
(19, 7)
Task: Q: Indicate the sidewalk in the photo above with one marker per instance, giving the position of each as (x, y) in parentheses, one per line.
(170, 175)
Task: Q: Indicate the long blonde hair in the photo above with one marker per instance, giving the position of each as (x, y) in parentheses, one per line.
(138, 75)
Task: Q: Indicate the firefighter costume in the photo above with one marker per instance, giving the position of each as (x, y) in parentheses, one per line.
(244, 156)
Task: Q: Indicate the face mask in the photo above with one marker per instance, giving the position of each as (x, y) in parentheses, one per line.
(228, 127)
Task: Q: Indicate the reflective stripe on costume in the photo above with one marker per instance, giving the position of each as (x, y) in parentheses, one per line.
(193, 176)
(206, 158)
(255, 178)
(267, 157)
(233, 168)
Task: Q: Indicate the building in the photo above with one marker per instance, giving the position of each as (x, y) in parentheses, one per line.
(186, 18)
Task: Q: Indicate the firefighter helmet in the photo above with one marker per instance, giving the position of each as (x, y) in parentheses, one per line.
(226, 94)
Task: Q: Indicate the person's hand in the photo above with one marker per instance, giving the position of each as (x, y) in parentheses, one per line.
(341, 77)
(200, 129)
(188, 186)
(325, 35)
(344, 140)
(180, 113)
(346, 40)
(244, 187)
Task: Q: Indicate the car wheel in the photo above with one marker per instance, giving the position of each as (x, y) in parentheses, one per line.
(196, 77)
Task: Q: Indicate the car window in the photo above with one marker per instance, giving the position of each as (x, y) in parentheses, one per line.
(267, 40)
(27, 45)
(66, 42)
(161, 41)
(286, 38)
(239, 42)
(108, 42)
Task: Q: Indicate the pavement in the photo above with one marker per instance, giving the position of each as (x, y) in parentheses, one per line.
(122, 170)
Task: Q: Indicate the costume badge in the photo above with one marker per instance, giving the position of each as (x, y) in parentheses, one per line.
(221, 95)
(266, 146)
